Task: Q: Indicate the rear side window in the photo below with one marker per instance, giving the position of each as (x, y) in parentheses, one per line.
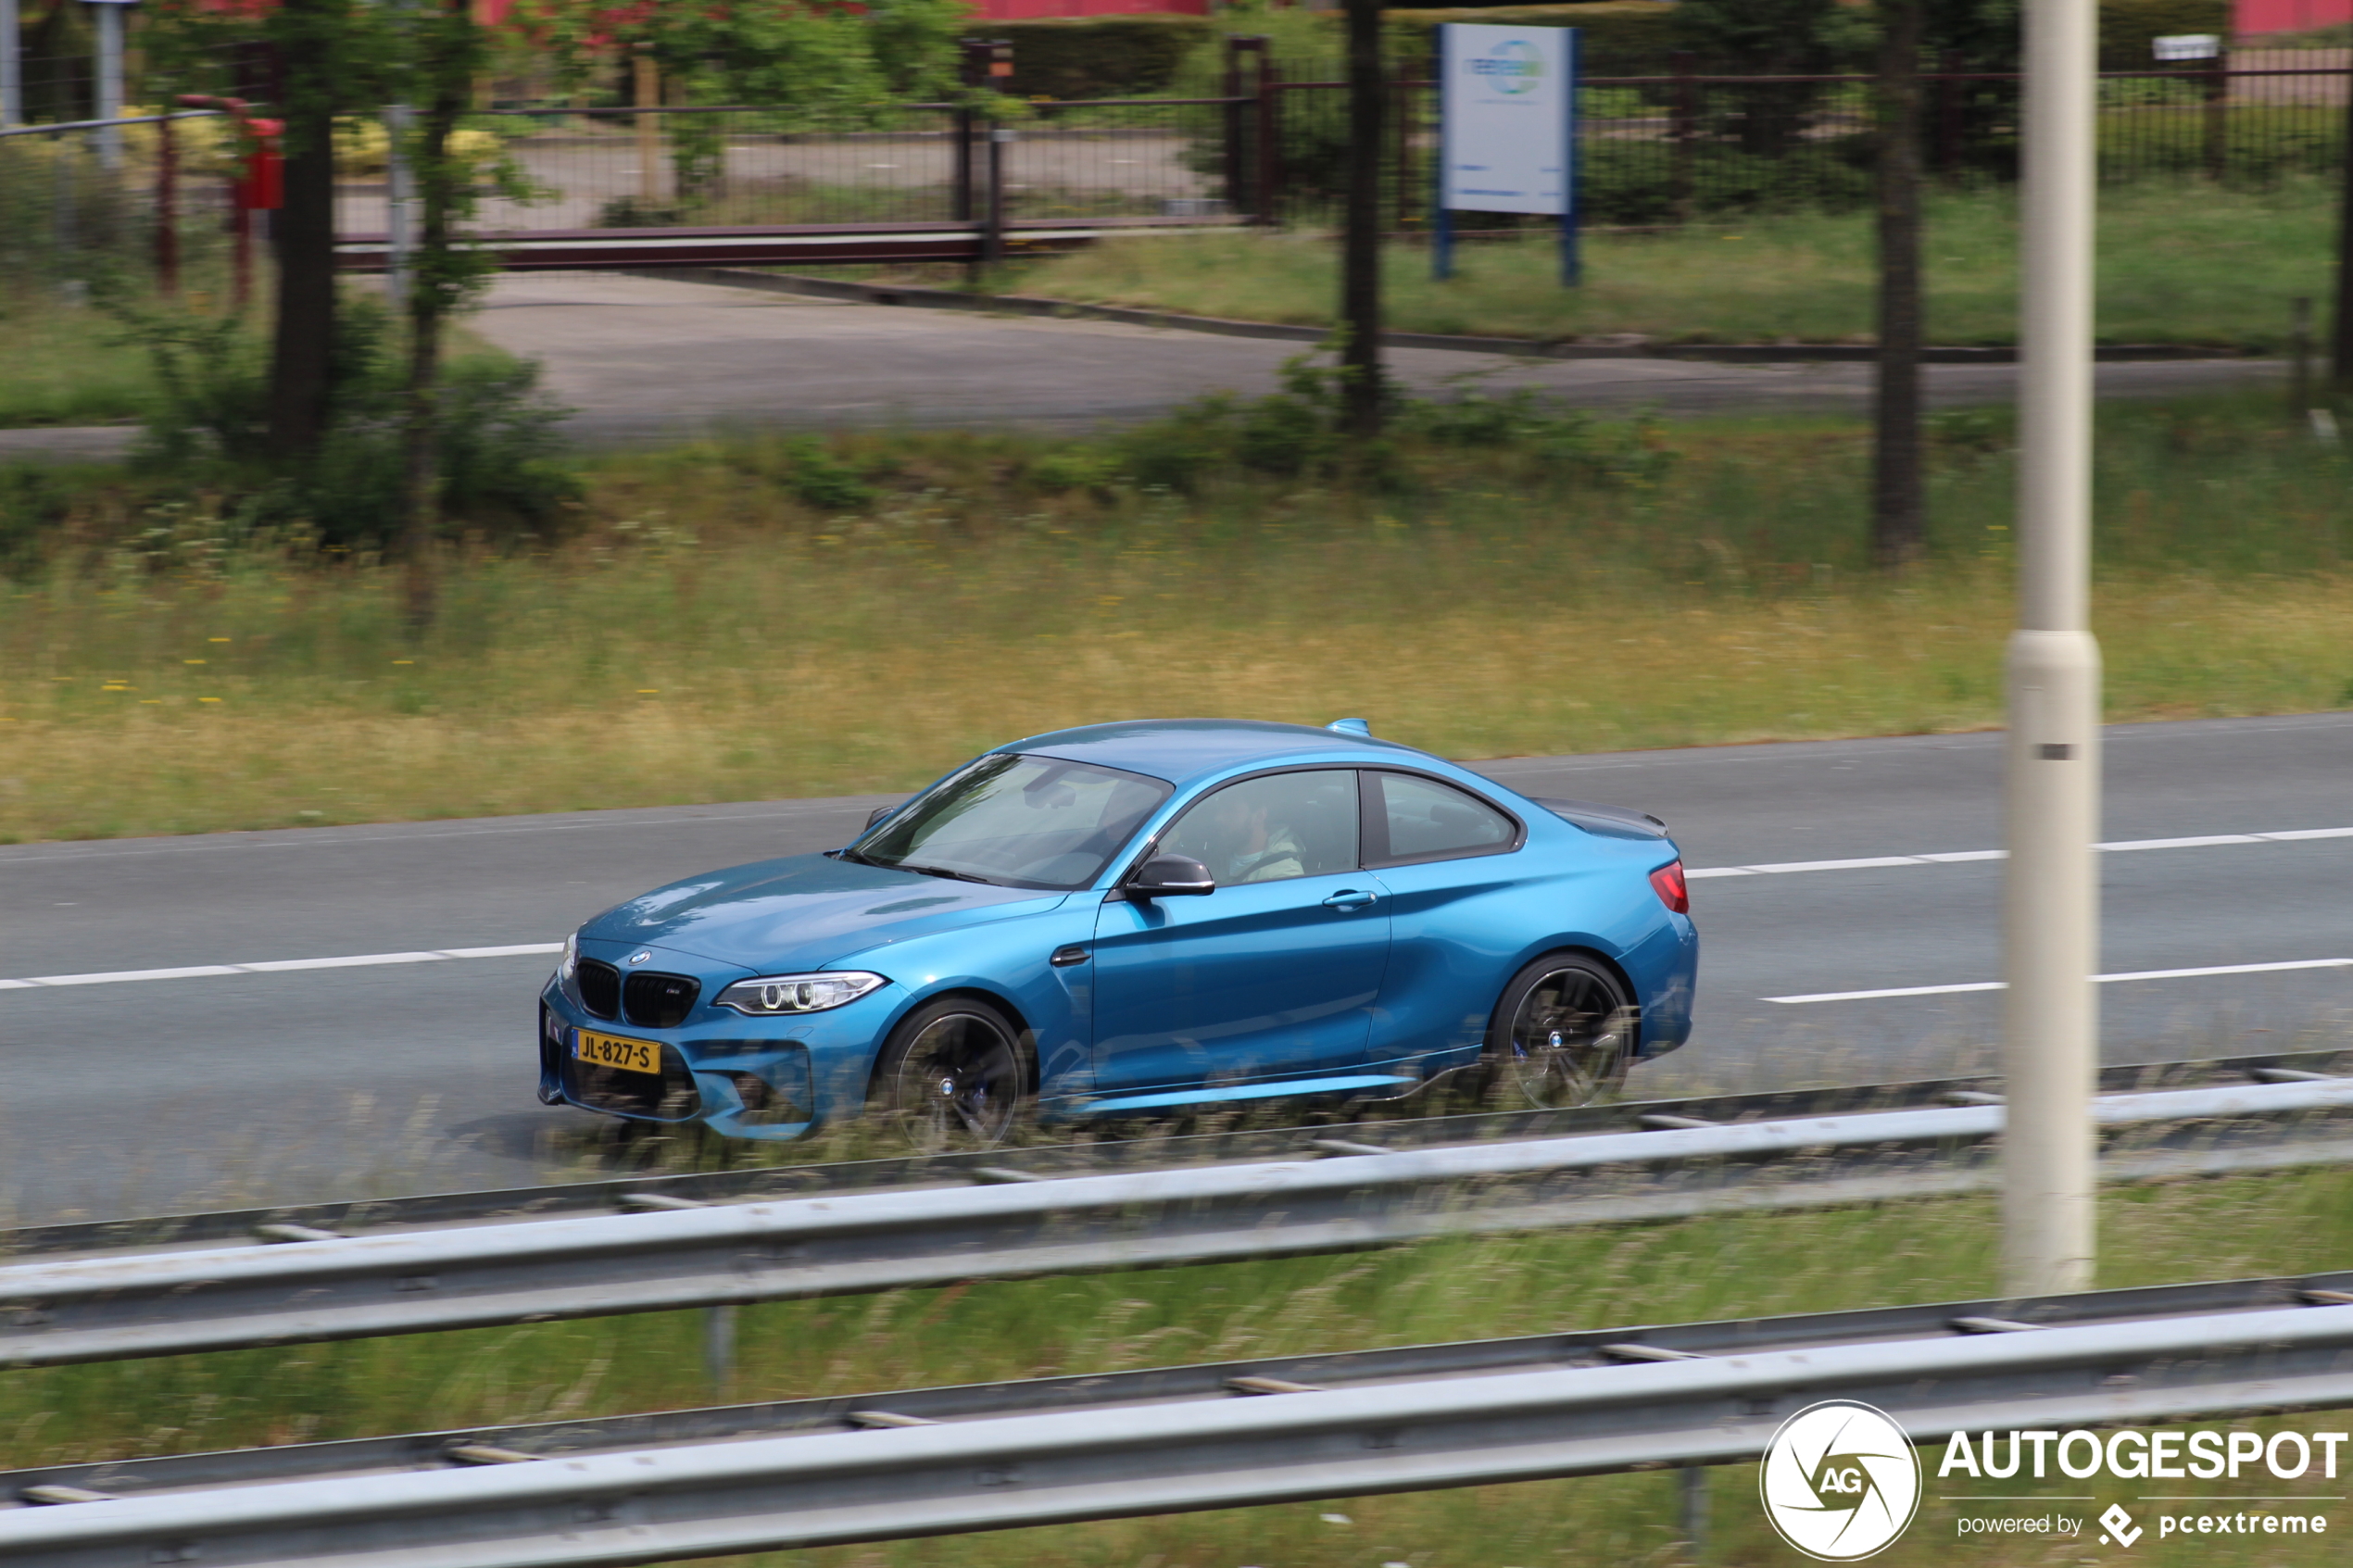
(1408, 818)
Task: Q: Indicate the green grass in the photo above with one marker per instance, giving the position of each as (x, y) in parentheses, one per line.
(69, 362)
(2179, 263)
(66, 366)
(1448, 1289)
(162, 672)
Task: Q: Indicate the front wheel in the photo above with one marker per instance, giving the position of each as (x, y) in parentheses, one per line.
(1562, 1034)
(953, 1075)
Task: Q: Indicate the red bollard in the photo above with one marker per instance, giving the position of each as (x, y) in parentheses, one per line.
(261, 188)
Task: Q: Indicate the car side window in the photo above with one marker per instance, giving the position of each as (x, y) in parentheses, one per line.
(1421, 818)
(1272, 827)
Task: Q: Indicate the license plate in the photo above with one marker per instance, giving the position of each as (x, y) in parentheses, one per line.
(612, 1050)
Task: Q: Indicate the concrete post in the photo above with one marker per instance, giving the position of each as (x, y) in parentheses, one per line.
(398, 242)
(11, 66)
(109, 20)
(2052, 905)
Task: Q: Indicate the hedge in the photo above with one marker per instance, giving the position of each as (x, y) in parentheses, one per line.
(1119, 56)
(1137, 56)
(1637, 37)
(1622, 37)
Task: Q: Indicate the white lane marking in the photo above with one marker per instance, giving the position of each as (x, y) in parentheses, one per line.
(1876, 862)
(2100, 979)
(280, 966)
(1951, 857)
(119, 976)
(356, 960)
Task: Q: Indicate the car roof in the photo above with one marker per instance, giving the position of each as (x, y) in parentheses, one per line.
(1182, 751)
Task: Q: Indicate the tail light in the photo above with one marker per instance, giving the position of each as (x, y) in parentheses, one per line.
(1673, 892)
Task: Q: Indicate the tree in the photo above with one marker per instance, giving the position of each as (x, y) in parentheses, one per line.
(1770, 38)
(1898, 521)
(311, 41)
(1364, 391)
(448, 50)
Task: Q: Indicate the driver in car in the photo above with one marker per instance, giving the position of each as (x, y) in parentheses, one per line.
(1244, 847)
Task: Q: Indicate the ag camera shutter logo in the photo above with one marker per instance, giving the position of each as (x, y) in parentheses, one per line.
(1839, 1481)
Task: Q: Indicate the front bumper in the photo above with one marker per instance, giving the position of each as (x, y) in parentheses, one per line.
(742, 1077)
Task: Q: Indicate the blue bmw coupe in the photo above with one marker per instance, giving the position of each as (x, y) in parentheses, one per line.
(1134, 920)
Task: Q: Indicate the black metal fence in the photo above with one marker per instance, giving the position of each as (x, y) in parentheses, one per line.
(1267, 149)
(1661, 149)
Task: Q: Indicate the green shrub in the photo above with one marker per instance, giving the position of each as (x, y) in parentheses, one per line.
(34, 498)
(818, 478)
(1622, 184)
(1620, 37)
(1075, 468)
(1123, 57)
(496, 437)
(1296, 432)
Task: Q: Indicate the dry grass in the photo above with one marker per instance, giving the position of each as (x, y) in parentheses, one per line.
(710, 637)
(597, 696)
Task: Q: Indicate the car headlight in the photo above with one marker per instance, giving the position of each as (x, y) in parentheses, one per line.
(569, 965)
(775, 994)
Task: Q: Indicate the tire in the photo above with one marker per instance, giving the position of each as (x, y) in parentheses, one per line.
(1563, 1034)
(954, 1074)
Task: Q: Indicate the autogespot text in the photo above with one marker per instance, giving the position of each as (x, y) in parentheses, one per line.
(2167, 1455)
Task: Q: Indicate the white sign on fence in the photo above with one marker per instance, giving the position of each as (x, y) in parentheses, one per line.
(1507, 118)
(2187, 46)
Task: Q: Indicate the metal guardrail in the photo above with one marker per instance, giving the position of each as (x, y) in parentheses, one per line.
(1157, 1150)
(341, 1287)
(936, 1461)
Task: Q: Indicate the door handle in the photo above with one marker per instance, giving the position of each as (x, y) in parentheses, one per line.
(1065, 957)
(1350, 898)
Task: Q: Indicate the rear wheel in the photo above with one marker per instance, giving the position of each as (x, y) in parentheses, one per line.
(1562, 1034)
(954, 1074)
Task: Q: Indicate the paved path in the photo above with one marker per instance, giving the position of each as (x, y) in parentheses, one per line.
(650, 360)
(141, 1096)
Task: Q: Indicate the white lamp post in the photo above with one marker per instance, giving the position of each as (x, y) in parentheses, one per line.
(2051, 922)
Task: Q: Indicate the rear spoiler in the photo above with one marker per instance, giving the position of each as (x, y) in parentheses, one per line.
(1610, 821)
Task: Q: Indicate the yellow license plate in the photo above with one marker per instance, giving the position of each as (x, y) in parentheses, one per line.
(611, 1050)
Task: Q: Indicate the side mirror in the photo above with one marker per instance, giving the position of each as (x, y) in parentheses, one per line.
(1171, 876)
(879, 812)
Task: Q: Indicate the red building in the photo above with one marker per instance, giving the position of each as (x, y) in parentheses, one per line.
(1029, 10)
(2290, 15)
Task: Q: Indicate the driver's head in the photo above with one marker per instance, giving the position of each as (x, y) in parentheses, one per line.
(1237, 826)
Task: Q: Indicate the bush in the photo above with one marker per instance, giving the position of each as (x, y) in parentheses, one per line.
(1123, 57)
(498, 444)
(1623, 183)
(818, 478)
(1296, 432)
(1621, 37)
(33, 500)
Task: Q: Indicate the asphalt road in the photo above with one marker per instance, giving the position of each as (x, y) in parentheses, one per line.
(133, 1095)
(648, 360)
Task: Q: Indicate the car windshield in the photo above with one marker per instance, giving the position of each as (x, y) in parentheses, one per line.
(1023, 821)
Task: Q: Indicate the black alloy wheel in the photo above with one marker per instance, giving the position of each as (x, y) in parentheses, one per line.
(1563, 1034)
(953, 1075)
